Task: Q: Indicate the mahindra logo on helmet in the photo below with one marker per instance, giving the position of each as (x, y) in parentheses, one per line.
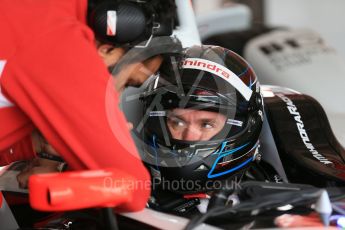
(206, 65)
(218, 70)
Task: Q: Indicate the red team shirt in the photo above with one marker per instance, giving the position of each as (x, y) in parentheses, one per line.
(52, 78)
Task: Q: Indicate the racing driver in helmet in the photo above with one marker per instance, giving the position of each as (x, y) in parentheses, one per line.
(203, 114)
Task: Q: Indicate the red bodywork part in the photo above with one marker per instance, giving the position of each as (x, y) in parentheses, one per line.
(80, 189)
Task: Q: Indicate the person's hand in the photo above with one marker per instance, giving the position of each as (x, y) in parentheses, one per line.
(110, 54)
(41, 145)
(135, 74)
(132, 75)
(36, 166)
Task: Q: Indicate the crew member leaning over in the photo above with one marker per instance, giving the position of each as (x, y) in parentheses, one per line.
(53, 80)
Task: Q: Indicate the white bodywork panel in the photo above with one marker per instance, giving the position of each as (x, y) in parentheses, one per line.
(300, 60)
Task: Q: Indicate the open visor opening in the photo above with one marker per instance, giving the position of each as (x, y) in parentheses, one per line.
(193, 114)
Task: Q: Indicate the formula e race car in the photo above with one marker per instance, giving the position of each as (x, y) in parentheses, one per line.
(300, 171)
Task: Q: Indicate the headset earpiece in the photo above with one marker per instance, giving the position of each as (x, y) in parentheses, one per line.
(117, 22)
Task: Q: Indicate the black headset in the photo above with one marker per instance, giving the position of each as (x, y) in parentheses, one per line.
(121, 22)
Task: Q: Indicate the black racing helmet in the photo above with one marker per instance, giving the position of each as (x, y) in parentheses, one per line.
(211, 90)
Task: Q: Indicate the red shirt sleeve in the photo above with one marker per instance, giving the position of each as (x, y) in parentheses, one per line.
(60, 82)
(22, 150)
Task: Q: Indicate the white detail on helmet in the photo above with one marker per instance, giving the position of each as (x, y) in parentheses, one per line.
(157, 113)
(219, 70)
(234, 122)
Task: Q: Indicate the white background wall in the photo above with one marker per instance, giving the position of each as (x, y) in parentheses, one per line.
(327, 17)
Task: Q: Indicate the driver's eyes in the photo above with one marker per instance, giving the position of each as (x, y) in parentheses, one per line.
(179, 123)
(175, 122)
(207, 125)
